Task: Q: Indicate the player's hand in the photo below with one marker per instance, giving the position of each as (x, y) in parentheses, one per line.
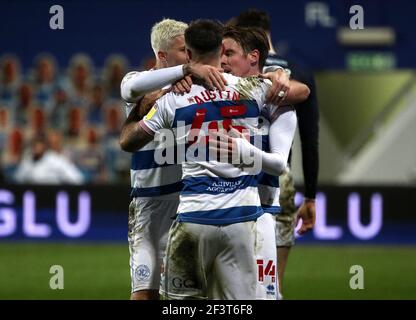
(222, 147)
(225, 145)
(183, 85)
(306, 212)
(280, 82)
(209, 75)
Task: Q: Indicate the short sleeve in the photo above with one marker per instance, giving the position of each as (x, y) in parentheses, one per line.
(260, 91)
(161, 115)
(253, 88)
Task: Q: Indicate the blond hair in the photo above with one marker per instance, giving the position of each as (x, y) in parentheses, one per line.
(164, 32)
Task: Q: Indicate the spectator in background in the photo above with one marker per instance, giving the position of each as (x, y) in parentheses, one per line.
(42, 98)
(74, 130)
(2, 176)
(44, 80)
(38, 121)
(25, 104)
(44, 166)
(57, 144)
(74, 122)
(118, 162)
(60, 108)
(113, 122)
(95, 109)
(115, 68)
(91, 158)
(15, 145)
(9, 78)
(4, 126)
(55, 141)
(80, 80)
(13, 153)
(4, 132)
(148, 63)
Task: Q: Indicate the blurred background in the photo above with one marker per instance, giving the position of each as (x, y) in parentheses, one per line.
(63, 87)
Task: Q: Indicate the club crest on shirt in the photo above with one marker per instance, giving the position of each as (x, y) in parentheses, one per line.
(142, 272)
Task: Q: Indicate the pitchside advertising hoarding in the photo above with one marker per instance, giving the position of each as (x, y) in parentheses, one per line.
(344, 214)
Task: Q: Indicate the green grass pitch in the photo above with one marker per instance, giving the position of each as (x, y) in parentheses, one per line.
(101, 271)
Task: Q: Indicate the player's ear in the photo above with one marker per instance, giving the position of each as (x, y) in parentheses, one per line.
(162, 55)
(189, 53)
(254, 57)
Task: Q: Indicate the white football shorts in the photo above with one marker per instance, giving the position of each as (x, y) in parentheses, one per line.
(149, 223)
(267, 284)
(210, 262)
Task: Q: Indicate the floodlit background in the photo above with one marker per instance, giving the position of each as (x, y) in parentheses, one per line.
(66, 83)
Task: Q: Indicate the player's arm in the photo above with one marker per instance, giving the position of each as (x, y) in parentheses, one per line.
(295, 91)
(298, 93)
(128, 136)
(138, 133)
(308, 118)
(139, 137)
(281, 134)
(144, 87)
(137, 84)
(160, 116)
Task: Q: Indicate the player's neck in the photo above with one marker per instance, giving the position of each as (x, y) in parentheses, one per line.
(252, 74)
(159, 65)
(215, 62)
(253, 71)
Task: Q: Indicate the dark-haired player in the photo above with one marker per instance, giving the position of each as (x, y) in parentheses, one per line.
(308, 123)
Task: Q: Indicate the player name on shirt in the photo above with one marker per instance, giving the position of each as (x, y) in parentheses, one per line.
(209, 95)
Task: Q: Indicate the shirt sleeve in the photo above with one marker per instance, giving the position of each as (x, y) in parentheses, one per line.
(282, 131)
(265, 86)
(136, 84)
(160, 116)
(258, 88)
(281, 134)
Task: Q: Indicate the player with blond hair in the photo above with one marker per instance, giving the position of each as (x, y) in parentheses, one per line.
(155, 186)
